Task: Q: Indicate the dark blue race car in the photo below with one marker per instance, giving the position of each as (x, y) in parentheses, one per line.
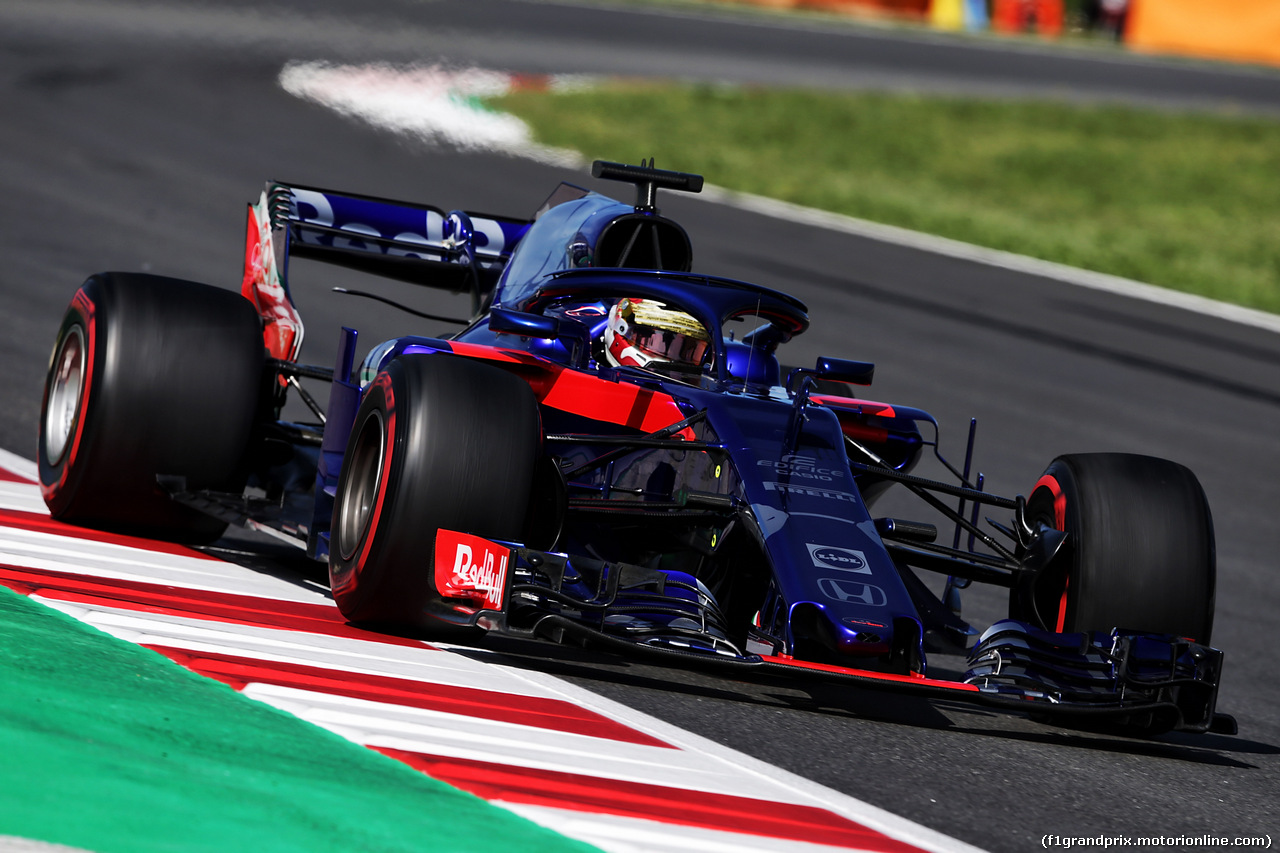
(610, 452)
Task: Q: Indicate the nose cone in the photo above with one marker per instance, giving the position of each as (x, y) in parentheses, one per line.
(822, 634)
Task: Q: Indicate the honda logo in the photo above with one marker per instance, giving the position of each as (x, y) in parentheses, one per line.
(852, 592)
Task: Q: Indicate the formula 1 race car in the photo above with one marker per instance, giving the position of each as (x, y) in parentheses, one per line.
(610, 452)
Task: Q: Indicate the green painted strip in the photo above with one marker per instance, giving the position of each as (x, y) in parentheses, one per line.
(110, 747)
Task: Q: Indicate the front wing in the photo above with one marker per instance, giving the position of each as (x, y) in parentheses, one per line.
(1123, 681)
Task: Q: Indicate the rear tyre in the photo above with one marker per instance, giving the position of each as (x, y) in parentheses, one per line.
(438, 441)
(1142, 550)
(149, 376)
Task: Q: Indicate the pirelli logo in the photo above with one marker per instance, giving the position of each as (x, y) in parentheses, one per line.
(791, 489)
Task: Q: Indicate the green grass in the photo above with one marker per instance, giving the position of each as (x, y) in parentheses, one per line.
(1187, 201)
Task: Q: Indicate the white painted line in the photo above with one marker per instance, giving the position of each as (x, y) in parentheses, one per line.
(14, 844)
(505, 744)
(21, 466)
(51, 552)
(14, 555)
(21, 497)
(617, 834)
(283, 646)
(430, 103)
(39, 544)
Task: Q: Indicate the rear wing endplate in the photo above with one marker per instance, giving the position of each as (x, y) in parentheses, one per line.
(459, 251)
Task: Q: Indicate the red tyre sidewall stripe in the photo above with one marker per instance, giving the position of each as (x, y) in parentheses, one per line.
(1048, 481)
(383, 383)
(85, 308)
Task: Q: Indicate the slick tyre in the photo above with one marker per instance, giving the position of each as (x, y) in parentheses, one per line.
(149, 376)
(438, 441)
(1141, 554)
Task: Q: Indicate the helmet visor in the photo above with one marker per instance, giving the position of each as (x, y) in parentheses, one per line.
(669, 345)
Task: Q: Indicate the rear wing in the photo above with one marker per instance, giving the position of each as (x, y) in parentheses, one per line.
(420, 244)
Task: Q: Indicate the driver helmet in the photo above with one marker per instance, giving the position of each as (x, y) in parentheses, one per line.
(642, 331)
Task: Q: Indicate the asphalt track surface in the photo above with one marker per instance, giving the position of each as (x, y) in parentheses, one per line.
(133, 134)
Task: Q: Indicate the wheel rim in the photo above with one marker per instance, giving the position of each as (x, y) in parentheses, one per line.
(65, 390)
(361, 486)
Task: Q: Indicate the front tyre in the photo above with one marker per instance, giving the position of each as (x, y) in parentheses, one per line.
(1141, 554)
(438, 441)
(149, 376)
